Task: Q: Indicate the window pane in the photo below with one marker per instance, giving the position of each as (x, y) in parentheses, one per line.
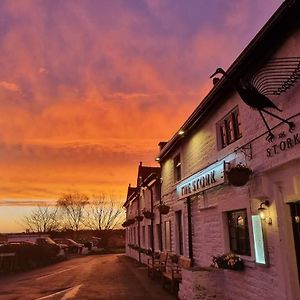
(158, 236)
(177, 168)
(237, 124)
(168, 235)
(223, 135)
(230, 129)
(238, 232)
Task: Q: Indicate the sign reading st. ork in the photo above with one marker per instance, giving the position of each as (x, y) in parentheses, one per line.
(284, 145)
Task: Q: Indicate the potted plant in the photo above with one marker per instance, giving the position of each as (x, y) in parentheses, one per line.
(163, 208)
(238, 175)
(228, 261)
(139, 218)
(142, 250)
(149, 252)
(148, 214)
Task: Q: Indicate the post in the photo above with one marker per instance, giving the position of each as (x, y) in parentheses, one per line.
(139, 228)
(152, 231)
(190, 237)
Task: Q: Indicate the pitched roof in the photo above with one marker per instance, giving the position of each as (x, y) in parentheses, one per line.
(144, 172)
(267, 40)
(131, 191)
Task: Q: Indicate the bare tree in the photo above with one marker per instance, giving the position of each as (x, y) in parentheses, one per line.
(103, 213)
(42, 219)
(73, 206)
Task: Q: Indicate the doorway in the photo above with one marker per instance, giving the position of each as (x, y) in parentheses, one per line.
(295, 214)
(179, 232)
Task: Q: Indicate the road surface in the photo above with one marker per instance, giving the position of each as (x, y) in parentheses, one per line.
(111, 277)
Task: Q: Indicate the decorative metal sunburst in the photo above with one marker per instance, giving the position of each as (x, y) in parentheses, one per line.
(277, 75)
(274, 77)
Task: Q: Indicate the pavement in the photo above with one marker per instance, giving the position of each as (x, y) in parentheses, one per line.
(109, 277)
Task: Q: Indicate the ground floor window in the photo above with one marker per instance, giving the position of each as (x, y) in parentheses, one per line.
(149, 236)
(239, 232)
(143, 236)
(158, 237)
(168, 244)
(134, 235)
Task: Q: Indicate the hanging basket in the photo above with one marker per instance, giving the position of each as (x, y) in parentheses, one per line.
(164, 209)
(148, 214)
(139, 218)
(130, 222)
(238, 175)
(125, 224)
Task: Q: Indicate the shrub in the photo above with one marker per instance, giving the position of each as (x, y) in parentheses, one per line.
(228, 261)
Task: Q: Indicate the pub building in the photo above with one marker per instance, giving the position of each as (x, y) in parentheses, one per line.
(231, 174)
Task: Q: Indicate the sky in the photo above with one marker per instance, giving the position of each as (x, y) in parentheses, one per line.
(89, 88)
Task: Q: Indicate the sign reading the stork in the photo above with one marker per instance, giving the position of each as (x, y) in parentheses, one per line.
(285, 144)
(202, 180)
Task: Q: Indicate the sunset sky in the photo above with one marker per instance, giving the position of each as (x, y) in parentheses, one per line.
(89, 88)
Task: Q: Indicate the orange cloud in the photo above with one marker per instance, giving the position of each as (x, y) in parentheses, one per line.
(89, 88)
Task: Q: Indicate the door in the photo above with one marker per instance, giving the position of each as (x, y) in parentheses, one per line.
(295, 214)
(179, 232)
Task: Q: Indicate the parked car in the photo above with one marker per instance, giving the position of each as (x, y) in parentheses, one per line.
(29, 255)
(49, 246)
(73, 247)
(87, 244)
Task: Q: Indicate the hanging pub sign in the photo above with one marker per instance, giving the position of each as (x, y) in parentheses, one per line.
(202, 180)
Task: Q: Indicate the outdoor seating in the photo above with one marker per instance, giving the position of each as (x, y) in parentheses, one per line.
(157, 265)
(173, 275)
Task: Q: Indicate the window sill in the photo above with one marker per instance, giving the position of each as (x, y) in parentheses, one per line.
(208, 207)
(249, 261)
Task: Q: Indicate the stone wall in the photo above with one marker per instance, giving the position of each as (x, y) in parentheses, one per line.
(202, 283)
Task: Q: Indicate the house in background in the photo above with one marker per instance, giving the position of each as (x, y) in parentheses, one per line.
(143, 228)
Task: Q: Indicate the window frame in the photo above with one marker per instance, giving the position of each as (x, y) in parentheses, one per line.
(229, 128)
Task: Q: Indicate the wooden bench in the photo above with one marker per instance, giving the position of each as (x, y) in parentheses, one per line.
(157, 265)
(173, 276)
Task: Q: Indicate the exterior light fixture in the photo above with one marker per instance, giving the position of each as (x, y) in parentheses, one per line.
(181, 132)
(262, 211)
(157, 159)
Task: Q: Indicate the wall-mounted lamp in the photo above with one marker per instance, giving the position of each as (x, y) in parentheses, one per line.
(262, 211)
(157, 159)
(181, 132)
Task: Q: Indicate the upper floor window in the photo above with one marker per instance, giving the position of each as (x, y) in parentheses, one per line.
(229, 128)
(177, 168)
